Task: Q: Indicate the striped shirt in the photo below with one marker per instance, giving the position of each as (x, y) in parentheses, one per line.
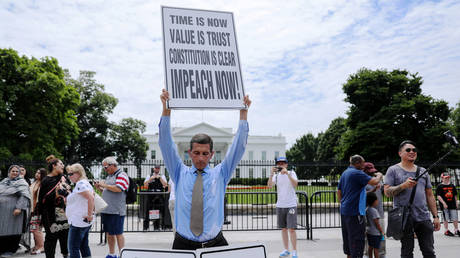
(116, 201)
(122, 181)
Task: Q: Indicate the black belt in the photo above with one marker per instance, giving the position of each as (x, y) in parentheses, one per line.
(204, 244)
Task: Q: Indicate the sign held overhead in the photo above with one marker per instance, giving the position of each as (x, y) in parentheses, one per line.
(202, 66)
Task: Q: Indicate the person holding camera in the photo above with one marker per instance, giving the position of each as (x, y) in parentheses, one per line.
(155, 183)
(286, 206)
(399, 184)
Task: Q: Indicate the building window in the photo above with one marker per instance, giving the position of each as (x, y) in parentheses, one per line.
(186, 157)
(277, 154)
(218, 156)
(251, 155)
(264, 155)
(251, 172)
(264, 172)
(125, 170)
(237, 173)
(153, 154)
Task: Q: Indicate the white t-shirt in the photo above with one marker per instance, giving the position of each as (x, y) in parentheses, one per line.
(172, 195)
(77, 205)
(287, 197)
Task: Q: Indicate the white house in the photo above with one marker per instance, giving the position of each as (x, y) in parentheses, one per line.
(261, 150)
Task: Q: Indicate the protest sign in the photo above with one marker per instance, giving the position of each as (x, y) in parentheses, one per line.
(202, 66)
(253, 250)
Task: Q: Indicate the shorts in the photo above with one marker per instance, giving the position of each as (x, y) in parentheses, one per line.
(287, 217)
(449, 215)
(112, 223)
(374, 241)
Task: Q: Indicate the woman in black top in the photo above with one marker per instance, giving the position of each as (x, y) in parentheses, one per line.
(51, 206)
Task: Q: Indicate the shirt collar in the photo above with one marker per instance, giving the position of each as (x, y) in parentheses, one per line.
(205, 170)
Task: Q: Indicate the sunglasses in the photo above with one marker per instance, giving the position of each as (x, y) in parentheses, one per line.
(411, 149)
(71, 174)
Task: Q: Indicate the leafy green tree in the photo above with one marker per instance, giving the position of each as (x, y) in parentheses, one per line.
(37, 108)
(330, 139)
(304, 150)
(387, 108)
(92, 144)
(127, 142)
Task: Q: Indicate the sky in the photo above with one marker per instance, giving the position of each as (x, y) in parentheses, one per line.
(295, 55)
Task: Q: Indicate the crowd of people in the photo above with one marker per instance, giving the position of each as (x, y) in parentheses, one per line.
(196, 202)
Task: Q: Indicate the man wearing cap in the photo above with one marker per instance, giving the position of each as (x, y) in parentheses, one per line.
(446, 194)
(351, 192)
(155, 183)
(286, 205)
(378, 190)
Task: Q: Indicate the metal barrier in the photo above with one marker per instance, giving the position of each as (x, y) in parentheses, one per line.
(324, 210)
(244, 211)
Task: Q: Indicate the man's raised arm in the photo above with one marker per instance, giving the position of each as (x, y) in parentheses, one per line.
(168, 148)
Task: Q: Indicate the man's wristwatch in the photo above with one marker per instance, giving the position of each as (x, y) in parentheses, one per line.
(435, 217)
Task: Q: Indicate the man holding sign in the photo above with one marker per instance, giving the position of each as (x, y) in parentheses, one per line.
(200, 189)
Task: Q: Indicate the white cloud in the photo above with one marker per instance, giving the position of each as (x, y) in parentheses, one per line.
(295, 55)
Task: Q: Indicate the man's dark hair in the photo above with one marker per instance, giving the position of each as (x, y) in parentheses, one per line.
(401, 145)
(370, 198)
(201, 138)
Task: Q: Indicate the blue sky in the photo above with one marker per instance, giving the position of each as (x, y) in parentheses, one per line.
(295, 55)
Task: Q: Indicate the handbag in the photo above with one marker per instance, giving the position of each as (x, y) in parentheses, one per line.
(99, 203)
(397, 217)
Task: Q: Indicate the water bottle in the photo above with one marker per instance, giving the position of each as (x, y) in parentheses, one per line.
(383, 238)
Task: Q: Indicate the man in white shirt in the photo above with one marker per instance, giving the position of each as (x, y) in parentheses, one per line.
(286, 206)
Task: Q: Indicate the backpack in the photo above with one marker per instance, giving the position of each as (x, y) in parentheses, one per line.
(131, 192)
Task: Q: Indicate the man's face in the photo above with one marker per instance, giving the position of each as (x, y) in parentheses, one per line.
(408, 153)
(201, 155)
(282, 164)
(446, 180)
(109, 168)
(156, 170)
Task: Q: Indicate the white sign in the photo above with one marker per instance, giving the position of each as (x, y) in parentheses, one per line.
(202, 66)
(154, 214)
(140, 253)
(253, 250)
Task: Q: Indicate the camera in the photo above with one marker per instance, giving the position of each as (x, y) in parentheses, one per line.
(279, 169)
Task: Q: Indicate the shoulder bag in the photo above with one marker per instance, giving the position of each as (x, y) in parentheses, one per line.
(397, 217)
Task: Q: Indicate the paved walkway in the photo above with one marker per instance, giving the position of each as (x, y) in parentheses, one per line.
(327, 243)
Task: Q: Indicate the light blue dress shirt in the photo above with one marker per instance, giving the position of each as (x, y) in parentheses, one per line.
(215, 181)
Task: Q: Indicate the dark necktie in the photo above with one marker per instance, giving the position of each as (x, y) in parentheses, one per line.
(196, 212)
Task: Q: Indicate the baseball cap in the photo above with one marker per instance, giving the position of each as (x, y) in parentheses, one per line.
(445, 174)
(369, 167)
(281, 159)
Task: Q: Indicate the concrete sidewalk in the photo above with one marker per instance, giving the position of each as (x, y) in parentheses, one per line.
(327, 243)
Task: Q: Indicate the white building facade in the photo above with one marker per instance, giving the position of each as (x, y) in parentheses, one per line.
(260, 150)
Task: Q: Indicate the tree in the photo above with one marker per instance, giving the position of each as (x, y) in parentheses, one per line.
(387, 108)
(329, 140)
(127, 142)
(304, 150)
(92, 143)
(37, 108)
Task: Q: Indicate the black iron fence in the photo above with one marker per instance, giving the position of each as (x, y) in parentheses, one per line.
(244, 211)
